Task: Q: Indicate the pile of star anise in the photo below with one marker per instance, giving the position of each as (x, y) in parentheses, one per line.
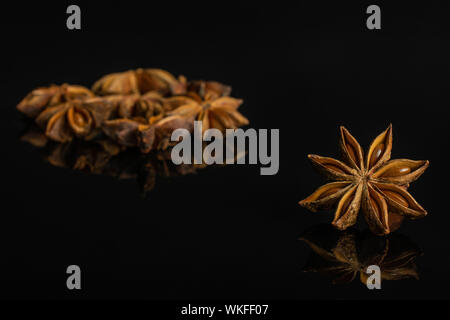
(137, 108)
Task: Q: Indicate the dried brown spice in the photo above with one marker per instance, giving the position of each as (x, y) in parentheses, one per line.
(148, 107)
(345, 255)
(38, 99)
(160, 81)
(140, 81)
(220, 113)
(137, 132)
(165, 127)
(130, 133)
(136, 108)
(376, 184)
(207, 90)
(76, 118)
(209, 102)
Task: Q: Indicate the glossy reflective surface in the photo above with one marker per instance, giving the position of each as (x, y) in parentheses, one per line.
(105, 157)
(348, 254)
(224, 232)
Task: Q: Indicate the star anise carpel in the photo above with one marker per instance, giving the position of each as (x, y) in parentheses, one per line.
(372, 183)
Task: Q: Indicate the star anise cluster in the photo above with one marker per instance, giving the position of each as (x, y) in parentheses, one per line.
(373, 183)
(137, 108)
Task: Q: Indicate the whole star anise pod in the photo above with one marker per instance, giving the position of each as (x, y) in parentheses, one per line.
(344, 255)
(206, 90)
(39, 99)
(140, 81)
(131, 133)
(219, 112)
(76, 118)
(375, 184)
(148, 107)
(138, 132)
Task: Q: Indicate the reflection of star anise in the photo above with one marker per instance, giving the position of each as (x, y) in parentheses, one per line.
(107, 157)
(343, 255)
(376, 184)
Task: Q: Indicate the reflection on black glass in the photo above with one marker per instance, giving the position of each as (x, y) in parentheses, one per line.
(344, 255)
(106, 157)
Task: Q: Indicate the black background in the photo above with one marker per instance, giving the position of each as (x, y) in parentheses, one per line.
(224, 233)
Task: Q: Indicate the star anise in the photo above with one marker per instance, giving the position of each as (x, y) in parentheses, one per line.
(147, 136)
(148, 107)
(131, 133)
(140, 81)
(39, 99)
(377, 185)
(76, 118)
(137, 108)
(208, 101)
(206, 90)
(344, 255)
